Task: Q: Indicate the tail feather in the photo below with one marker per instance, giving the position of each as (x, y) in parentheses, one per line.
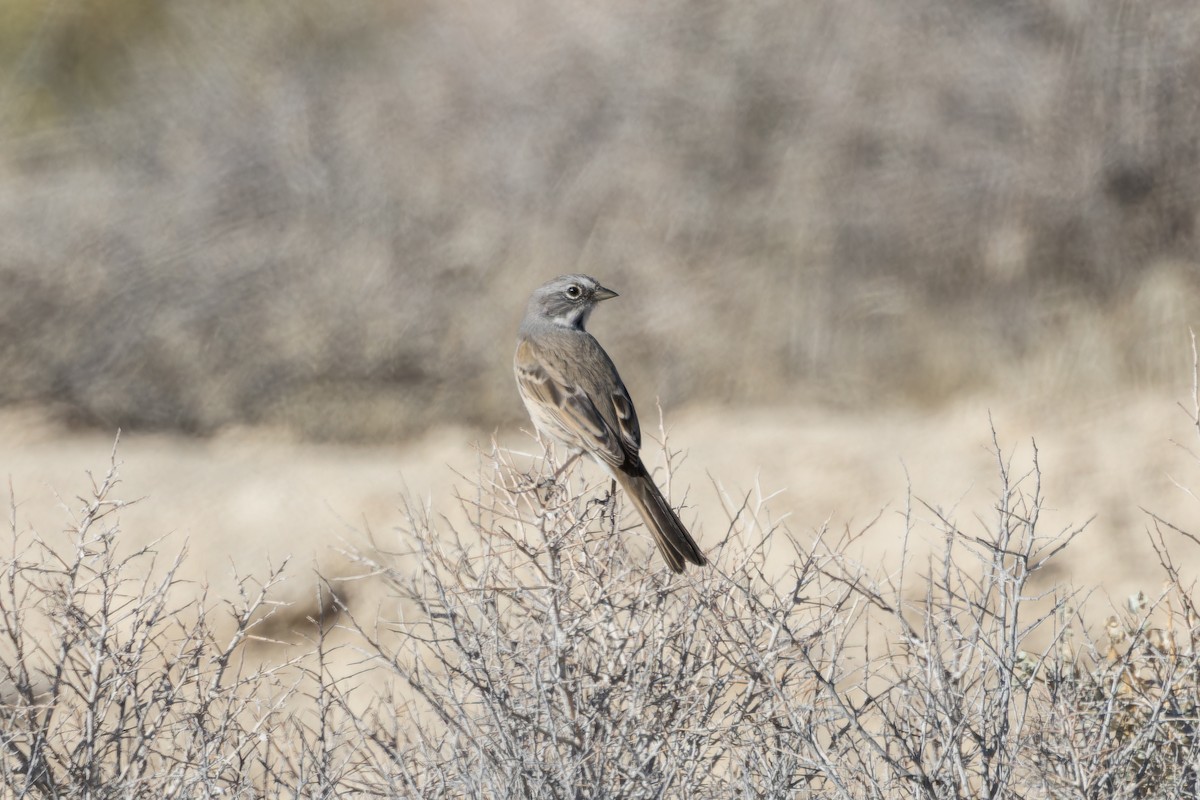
(672, 538)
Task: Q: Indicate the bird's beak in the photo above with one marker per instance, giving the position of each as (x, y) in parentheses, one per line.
(604, 294)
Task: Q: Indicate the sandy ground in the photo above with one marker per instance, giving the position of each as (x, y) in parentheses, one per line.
(247, 499)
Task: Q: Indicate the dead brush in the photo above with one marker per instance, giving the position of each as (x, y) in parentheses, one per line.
(538, 651)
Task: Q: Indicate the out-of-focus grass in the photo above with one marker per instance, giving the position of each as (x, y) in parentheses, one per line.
(329, 217)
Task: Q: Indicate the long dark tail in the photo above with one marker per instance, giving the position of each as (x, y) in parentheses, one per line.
(672, 538)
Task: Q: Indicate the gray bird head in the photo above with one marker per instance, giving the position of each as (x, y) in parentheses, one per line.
(567, 300)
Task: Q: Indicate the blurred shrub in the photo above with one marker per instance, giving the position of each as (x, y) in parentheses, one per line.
(329, 216)
(64, 60)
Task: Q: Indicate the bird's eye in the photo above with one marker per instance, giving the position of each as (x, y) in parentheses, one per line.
(573, 291)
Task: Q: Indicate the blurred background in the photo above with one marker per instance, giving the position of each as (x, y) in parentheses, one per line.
(327, 216)
(323, 219)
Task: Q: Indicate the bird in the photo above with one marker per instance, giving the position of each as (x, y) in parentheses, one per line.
(574, 395)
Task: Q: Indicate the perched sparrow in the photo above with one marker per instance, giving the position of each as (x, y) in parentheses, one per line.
(574, 394)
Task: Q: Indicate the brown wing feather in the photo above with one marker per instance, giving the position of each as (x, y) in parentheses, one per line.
(565, 406)
(627, 419)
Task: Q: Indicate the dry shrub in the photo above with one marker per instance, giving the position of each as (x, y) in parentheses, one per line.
(541, 652)
(554, 661)
(548, 661)
(120, 681)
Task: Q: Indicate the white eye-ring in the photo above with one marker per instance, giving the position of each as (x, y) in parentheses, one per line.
(573, 291)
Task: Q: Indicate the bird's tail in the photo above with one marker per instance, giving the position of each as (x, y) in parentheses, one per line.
(672, 538)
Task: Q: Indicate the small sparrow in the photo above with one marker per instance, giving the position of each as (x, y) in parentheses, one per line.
(574, 394)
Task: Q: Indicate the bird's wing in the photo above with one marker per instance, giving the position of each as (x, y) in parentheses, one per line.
(567, 404)
(627, 421)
